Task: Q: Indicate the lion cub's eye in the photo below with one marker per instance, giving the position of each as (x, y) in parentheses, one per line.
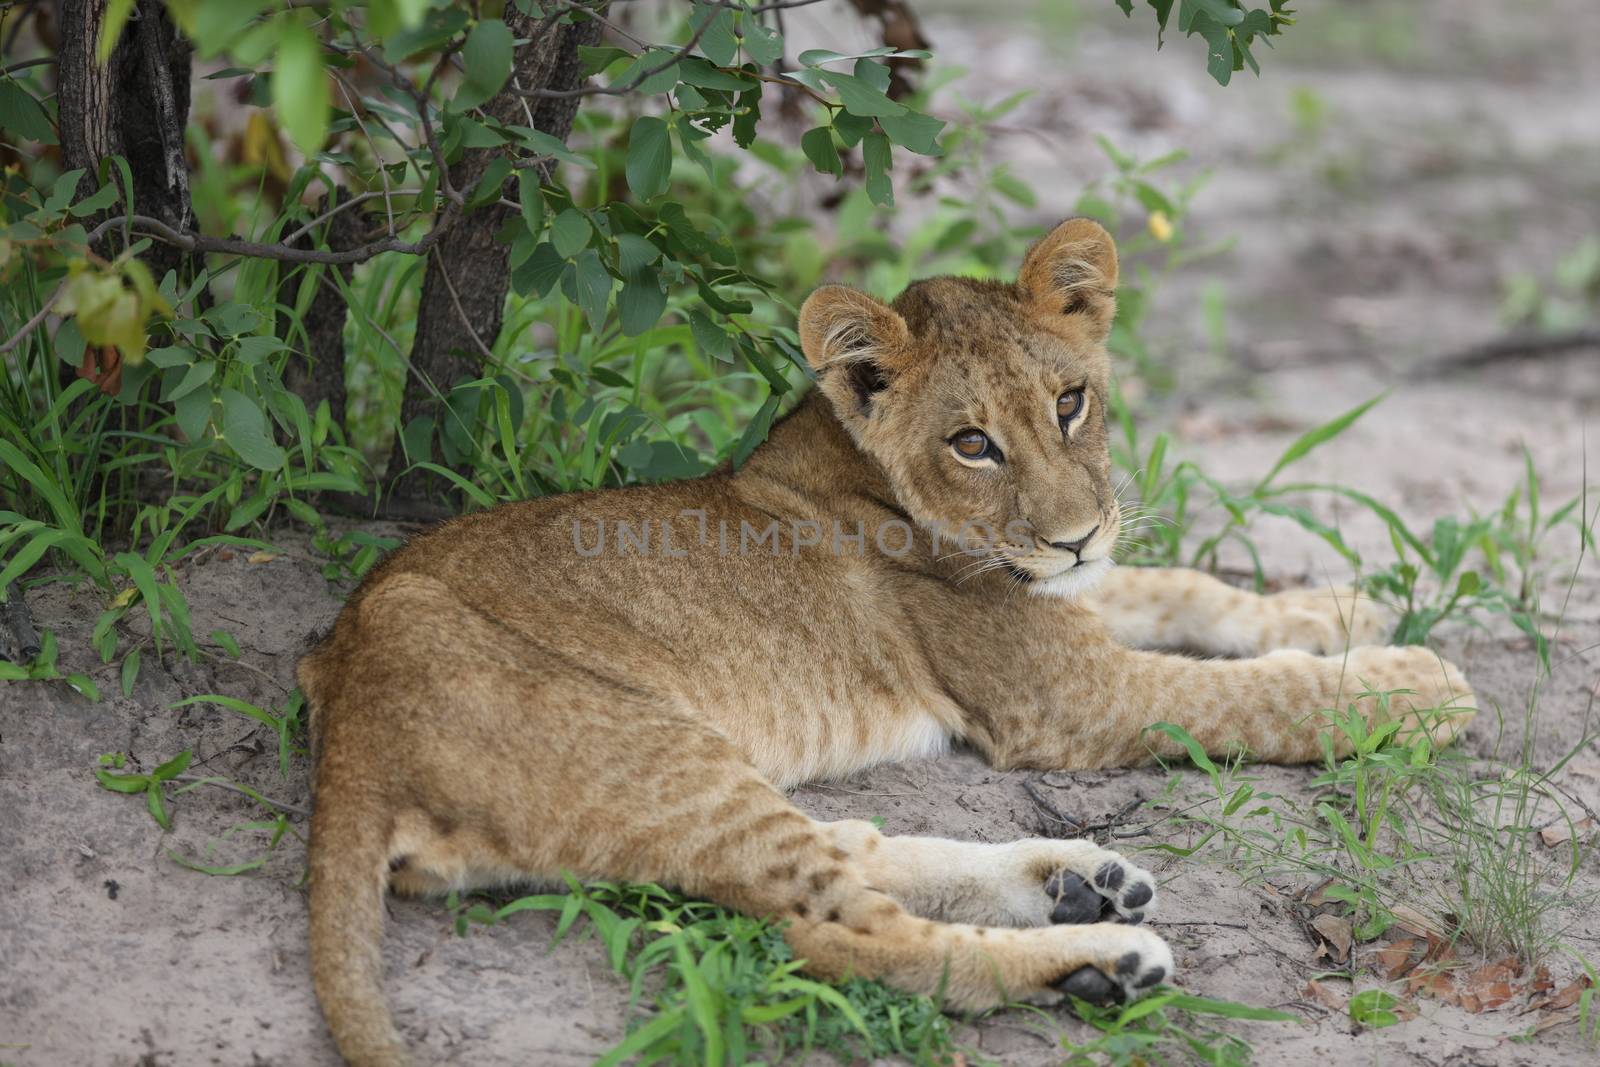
(1068, 404)
(974, 444)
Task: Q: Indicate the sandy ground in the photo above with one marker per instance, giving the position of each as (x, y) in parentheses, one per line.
(110, 953)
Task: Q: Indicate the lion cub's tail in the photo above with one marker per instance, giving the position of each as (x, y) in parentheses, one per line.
(349, 859)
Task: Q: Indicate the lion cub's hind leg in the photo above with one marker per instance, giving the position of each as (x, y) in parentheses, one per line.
(1033, 882)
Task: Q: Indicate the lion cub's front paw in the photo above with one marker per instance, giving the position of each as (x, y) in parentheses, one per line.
(1428, 694)
(1324, 621)
(1074, 882)
(1127, 964)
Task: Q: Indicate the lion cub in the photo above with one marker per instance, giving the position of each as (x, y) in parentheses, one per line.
(621, 684)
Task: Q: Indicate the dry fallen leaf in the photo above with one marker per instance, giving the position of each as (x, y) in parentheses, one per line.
(1336, 931)
(262, 557)
(1399, 957)
(1484, 988)
(1437, 984)
(1410, 919)
(1565, 997)
(1560, 833)
(1321, 994)
(1491, 986)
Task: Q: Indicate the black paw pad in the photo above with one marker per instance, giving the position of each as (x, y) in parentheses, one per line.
(1128, 963)
(1138, 896)
(1109, 876)
(1087, 983)
(1076, 901)
(1133, 918)
(1148, 980)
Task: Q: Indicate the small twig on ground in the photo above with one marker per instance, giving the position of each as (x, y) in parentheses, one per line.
(1518, 345)
(1077, 826)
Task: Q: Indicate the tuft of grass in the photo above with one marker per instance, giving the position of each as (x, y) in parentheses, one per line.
(725, 988)
(1167, 1026)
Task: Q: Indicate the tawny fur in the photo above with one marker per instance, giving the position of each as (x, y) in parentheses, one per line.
(499, 703)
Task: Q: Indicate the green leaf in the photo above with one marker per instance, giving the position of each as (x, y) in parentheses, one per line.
(173, 767)
(193, 412)
(144, 579)
(1196, 751)
(225, 639)
(1312, 438)
(717, 41)
(117, 13)
(21, 114)
(756, 432)
(635, 252)
(1373, 1008)
(570, 232)
(486, 60)
(223, 870)
(491, 184)
(300, 88)
(915, 131)
(762, 43)
(659, 82)
(1228, 1009)
(641, 302)
(123, 783)
(817, 144)
(83, 684)
(194, 377)
(1221, 10)
(649, 157)
(158, 809)
(710, 337)
(539, 273)
(245, 429)
(102, 198)
(696, 71)
(532, 200)
(593, 283)
(860, 97)
(130, 672)
(875, 155)
(850, 128)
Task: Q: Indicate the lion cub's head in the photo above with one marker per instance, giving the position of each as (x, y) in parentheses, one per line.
(985, 403)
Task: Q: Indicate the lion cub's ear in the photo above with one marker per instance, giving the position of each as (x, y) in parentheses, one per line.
(854, 343)
(1072, 271)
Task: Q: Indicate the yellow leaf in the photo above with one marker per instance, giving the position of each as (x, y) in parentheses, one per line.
(124, 598)
(262, 557)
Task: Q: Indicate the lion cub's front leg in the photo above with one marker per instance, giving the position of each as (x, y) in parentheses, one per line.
(1033, 882)
(1177, 608)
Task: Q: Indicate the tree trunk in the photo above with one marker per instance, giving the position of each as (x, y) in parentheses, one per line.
(135, 106)
(464, 289)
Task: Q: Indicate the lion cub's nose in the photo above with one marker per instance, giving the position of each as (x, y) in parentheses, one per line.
(1075, 547)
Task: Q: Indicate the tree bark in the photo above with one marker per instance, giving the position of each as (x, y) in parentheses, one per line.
(135, 106)
(468, 273)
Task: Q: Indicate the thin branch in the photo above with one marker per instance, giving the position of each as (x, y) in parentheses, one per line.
(342, 205)
(26, 63)
(229, 246)
(638, 79)
(455, 298)
(32, 324)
